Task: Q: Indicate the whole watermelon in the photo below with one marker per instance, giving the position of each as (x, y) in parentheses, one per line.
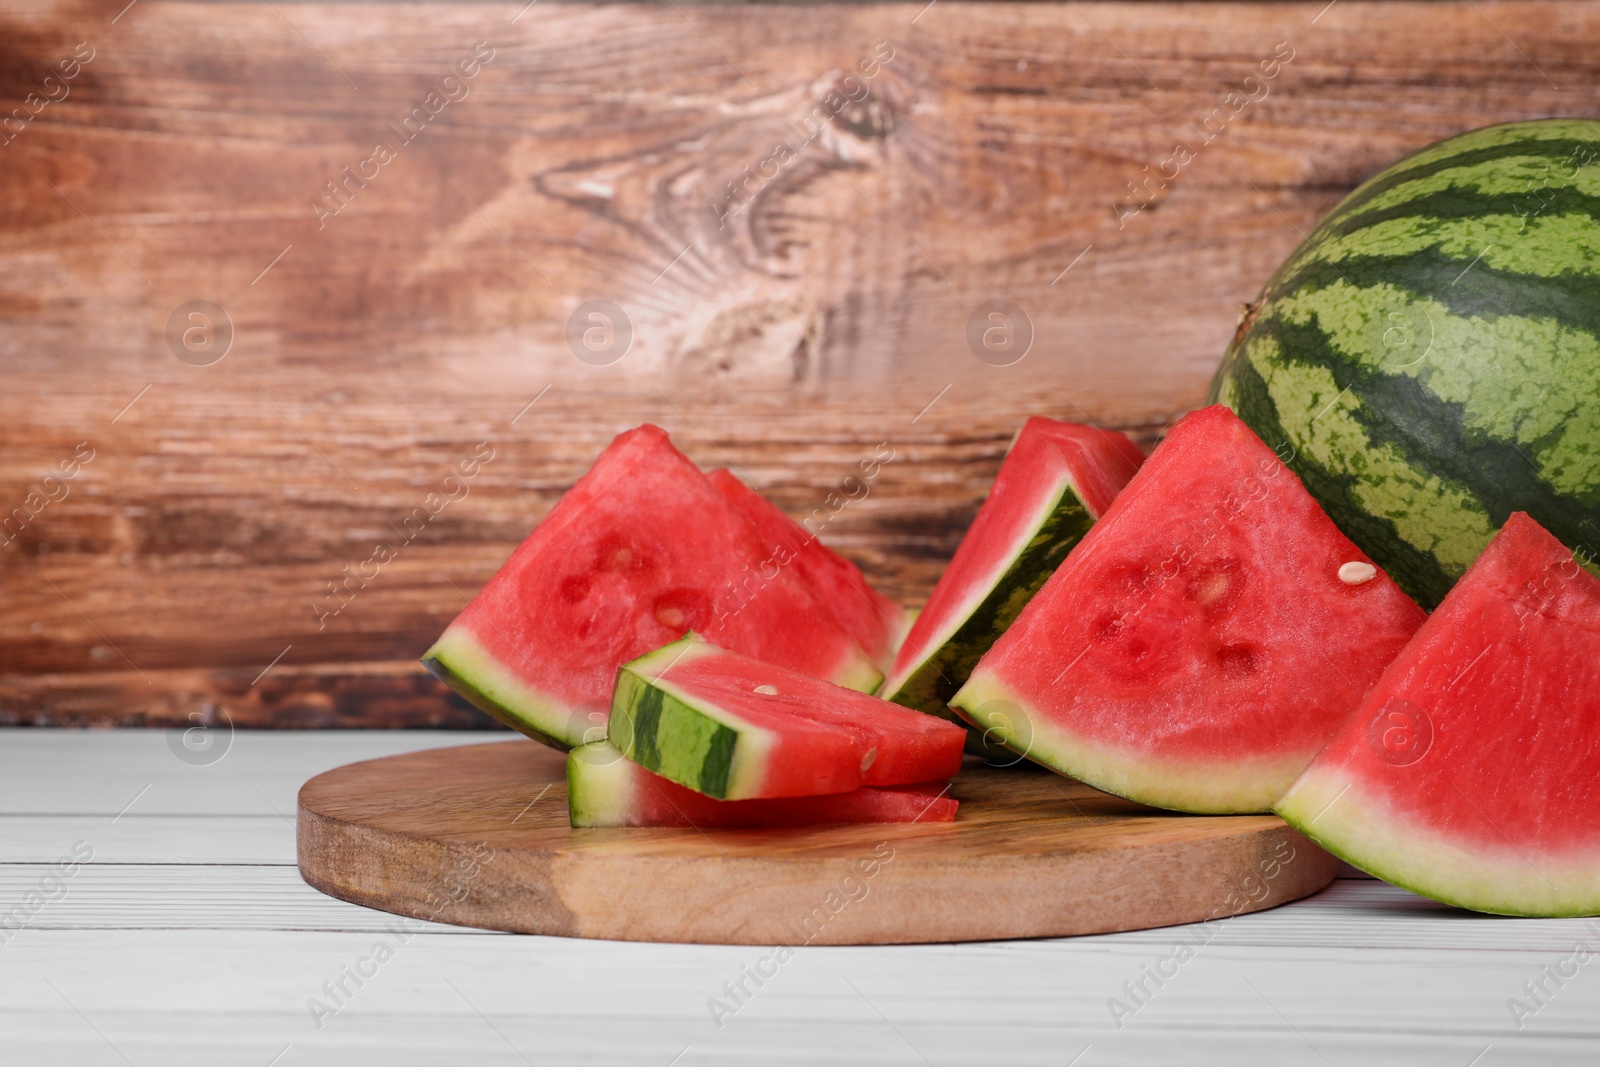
(1428, 360)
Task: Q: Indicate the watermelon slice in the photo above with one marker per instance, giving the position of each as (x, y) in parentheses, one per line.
(1203, 642)
(877, 623)
(1056, 480)
(736, 728)
(1471, 771)
(634, 555)
(606, 789)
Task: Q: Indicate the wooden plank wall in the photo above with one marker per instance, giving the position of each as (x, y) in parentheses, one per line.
(800, 212)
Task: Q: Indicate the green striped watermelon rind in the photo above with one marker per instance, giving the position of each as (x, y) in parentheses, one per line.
(461, 661)
(600, 786)
(690, 742)
(1247, 786)
(1418, 480)
(1331, 809)
(1063, 519)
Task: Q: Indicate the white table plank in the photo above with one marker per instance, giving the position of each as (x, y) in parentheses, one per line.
(97, 772)
(189, 939)
(1350, 914)
(243, 839)
(178, 997)
(179, 897)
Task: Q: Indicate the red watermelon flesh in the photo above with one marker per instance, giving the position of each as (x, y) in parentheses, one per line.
(606, 789)
(1199, 646)
(735, 728)
(641, 550)
(1056, 480)
(877, 623)
(1471, 772)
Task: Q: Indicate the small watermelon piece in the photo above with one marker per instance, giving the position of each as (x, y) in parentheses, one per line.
(1471, 772)
(735, 728)
(1056, 480)
(1203, 642)
(604, 788)
(877, 623)
(641, 550)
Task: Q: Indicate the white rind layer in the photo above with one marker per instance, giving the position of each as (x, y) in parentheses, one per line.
(601, 785)
(498, 691)
(1343, 814)
(1211, 787)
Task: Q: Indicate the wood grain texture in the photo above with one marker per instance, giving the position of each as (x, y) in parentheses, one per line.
(478, 835)
(589, 159)
(200, 541)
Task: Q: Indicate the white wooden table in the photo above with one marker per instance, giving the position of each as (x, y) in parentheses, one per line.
(190, 939)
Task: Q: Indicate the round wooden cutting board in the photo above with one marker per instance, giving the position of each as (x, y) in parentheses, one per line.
(478, 836)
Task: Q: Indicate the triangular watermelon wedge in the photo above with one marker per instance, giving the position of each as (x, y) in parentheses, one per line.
(877, 623)
(641, 550)
(1471, 772)
(1204, 640)
(1056, 480)
(604, 788)
(736, 728)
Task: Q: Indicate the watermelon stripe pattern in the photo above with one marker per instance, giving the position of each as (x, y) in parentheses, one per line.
(936, 681)
(734, 728)
(1428, 362)
(651, 714)
(1056, 480)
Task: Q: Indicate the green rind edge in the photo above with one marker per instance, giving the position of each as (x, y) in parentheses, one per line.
(599, 786)
(861, 673)
(1376, 863)
(460, 661)
(946, 668)
(1025, 732)
(670, 736)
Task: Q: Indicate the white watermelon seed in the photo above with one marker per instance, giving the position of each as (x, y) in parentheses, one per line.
(868, 760)
(767, 690)
(1212, 588)
(1357, 573)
